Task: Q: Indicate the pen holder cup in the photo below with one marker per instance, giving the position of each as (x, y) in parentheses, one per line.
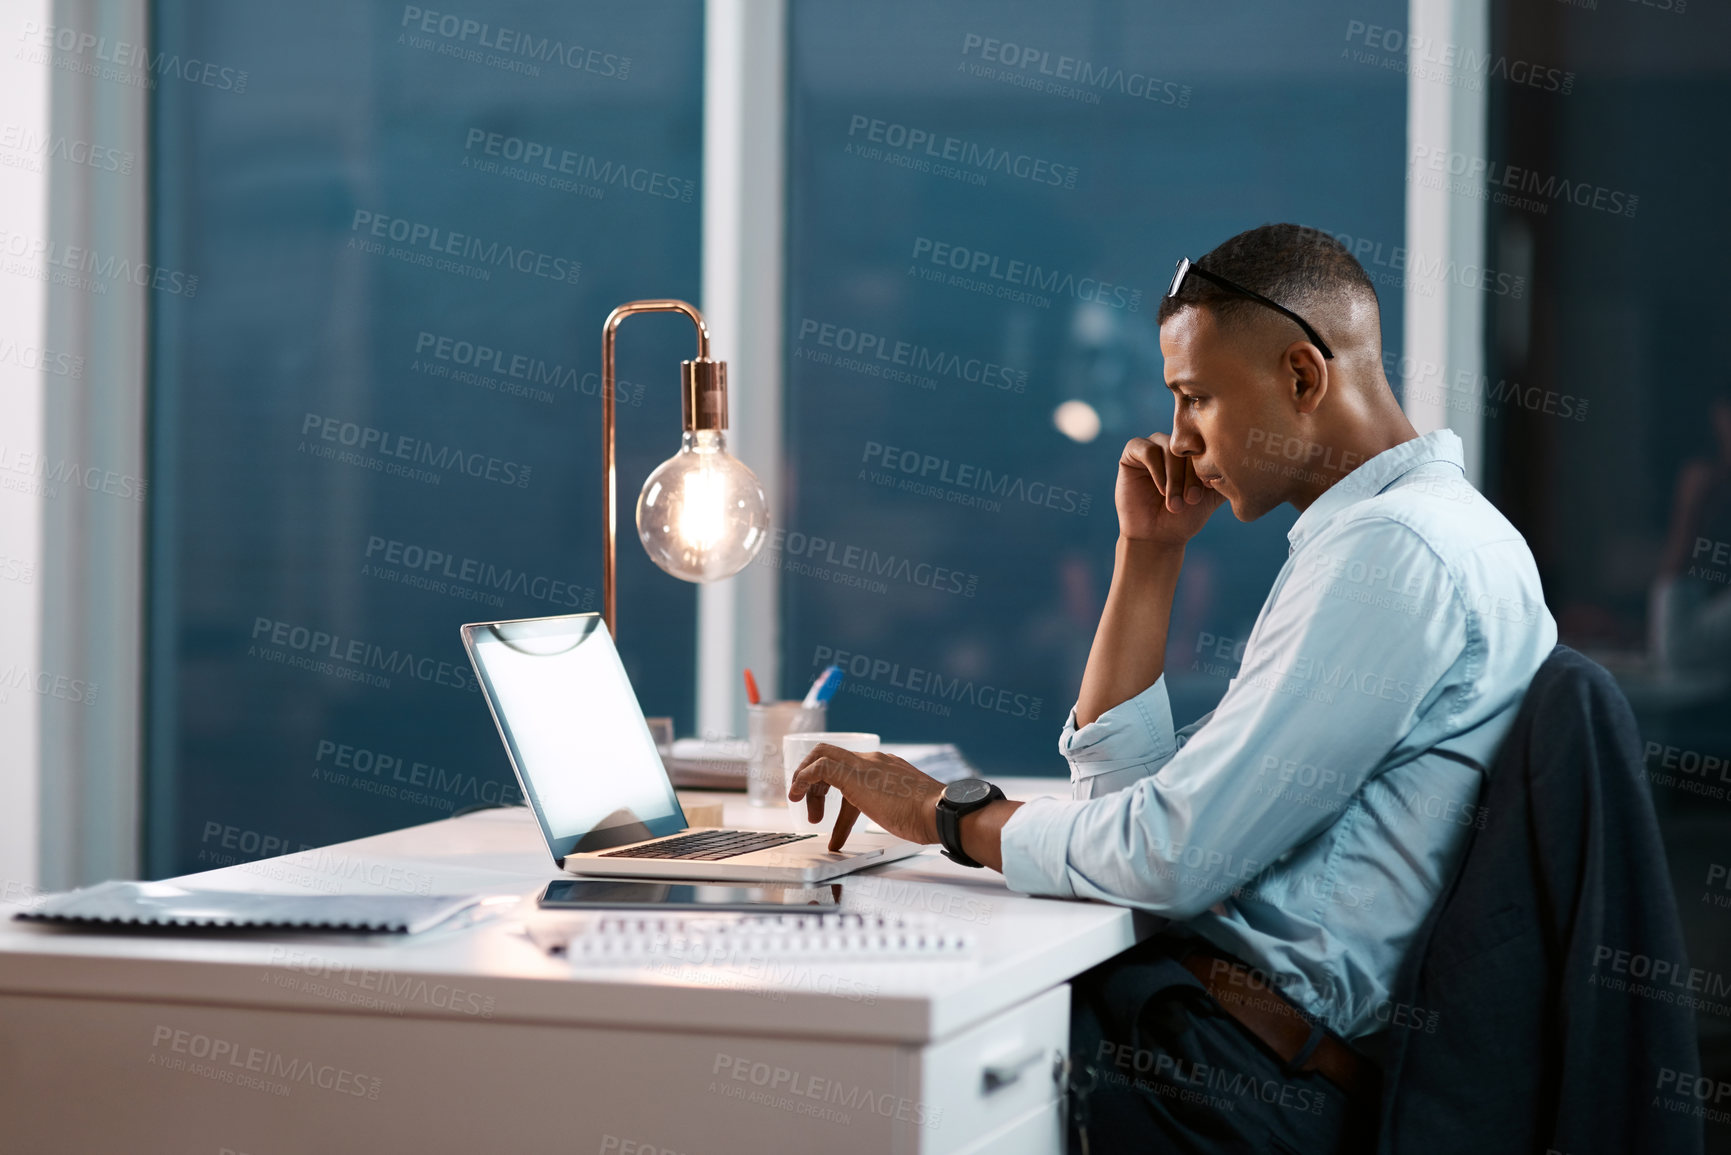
(765, 726)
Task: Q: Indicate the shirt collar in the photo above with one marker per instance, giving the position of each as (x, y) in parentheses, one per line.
(1376, 475)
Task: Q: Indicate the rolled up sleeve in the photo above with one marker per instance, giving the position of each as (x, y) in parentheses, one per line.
(1112, 753)
(1120, 747)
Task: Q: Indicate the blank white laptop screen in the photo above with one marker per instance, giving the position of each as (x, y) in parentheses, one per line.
(574, 730)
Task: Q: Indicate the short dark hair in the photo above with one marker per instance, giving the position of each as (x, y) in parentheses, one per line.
(1303, 268)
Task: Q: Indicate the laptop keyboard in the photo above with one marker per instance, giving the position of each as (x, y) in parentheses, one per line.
(707, 844)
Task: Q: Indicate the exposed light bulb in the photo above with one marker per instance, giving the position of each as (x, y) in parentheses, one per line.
(703, 508)
(702, 514)
(1077, 420)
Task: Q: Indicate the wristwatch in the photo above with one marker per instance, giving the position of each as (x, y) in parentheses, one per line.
(959, 798)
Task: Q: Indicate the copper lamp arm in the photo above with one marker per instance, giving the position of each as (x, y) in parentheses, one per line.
(609, 608)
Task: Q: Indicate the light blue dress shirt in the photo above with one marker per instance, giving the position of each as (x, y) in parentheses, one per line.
(1307, 823)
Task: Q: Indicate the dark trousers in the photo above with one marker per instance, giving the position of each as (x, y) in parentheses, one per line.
(1157, 1065)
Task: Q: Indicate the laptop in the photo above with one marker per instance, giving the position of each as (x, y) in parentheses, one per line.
(591, 773)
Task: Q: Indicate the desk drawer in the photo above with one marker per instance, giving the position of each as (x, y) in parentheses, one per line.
(1001, 1078)
(168, 1078)
(90, 1075)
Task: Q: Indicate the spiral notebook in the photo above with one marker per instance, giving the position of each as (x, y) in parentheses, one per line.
(163, 904)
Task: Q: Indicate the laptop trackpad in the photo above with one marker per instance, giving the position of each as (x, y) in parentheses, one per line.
(807, 857)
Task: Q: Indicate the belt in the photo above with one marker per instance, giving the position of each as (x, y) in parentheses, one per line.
(1280, 1025)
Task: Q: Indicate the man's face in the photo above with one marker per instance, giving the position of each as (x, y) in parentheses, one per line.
(1227, 406)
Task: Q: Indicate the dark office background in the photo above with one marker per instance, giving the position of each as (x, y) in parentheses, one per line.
(1631, 314)
(1248, 112)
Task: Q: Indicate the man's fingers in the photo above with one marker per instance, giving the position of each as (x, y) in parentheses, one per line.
(813, 780)
(809, 773)
(845, 817)
(1173, 476)
(1177, 481)
(1149, 456)
(1194, 490)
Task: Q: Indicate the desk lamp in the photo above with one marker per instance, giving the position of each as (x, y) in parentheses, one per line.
(702, 515)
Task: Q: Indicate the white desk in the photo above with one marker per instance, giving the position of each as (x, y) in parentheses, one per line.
(469, 1038)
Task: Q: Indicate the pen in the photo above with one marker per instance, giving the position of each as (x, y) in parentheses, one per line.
(751, 694)
(824, 688)
(831, 683)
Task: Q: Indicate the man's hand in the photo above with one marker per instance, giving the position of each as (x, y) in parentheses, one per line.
(1162, 504)
(895, 795)
(1160, 499)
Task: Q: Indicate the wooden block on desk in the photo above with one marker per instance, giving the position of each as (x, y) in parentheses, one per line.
(702, 813)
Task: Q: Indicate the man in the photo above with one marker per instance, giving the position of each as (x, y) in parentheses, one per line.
(1298, 834)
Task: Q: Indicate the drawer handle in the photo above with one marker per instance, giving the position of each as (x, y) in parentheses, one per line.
(1001, 1074)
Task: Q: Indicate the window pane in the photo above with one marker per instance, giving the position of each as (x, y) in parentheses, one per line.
(1607, 402)
(376, 415)
(986, 203)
